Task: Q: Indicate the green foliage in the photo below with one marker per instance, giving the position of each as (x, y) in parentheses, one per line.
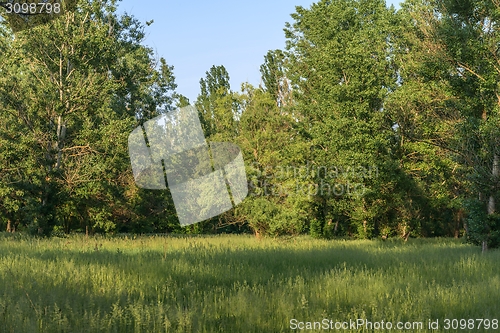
(216, 103)
(274, 77)
(273, 150)
(72, 89)
(316, 228)
(482, 227)
(371, 123)
(341, 71)
(449, 99)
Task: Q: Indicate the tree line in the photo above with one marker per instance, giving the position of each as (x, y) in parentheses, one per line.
(371, 122)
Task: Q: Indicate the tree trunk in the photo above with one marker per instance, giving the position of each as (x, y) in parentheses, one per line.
(484, 248)
(61, 136)
(491, 200)
(459, 221)
(258, 235)
(495, 174)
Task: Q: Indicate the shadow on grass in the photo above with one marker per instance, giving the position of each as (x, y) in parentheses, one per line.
(205, 269)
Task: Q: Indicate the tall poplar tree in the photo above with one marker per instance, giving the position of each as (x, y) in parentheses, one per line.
(469, 29)
(448, 105)
(341, 71)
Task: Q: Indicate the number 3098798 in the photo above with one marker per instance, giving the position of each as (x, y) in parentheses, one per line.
(33, 8)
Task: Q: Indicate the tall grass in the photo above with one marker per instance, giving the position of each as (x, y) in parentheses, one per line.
(237, 283)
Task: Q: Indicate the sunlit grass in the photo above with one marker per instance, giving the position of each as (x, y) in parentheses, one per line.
(237, 283)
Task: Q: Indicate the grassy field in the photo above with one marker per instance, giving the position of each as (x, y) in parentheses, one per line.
(241, 284)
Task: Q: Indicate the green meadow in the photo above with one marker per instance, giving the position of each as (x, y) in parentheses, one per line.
(242, 284)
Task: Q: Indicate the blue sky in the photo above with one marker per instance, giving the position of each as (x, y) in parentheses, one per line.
(195, 35)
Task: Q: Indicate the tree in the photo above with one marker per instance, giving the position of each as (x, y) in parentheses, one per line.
(277, 203)
(72, 89)
(468, 29)
(274, 77)
(450, 101)
(216, 104)
(341, 70)
(425, 121)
